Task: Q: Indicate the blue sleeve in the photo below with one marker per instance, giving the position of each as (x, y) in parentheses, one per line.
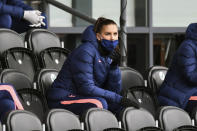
(187, 61)
(82, 69)
(15, 8)
(20, 3)
(113, 82)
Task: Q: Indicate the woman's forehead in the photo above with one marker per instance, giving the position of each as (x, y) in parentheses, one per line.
(110, 28)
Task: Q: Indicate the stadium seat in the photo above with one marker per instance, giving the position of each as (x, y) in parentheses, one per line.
(130, 78)
(1, 127)
(156, 76)
(137, 119)
(21, 59)
(45, 78)
(62, 120)
(33, 101)
(97, 119)
(171, 118)
(193, 115)
(18, 79)
(53, 58)
(40, 39)
(9, 39)
(21, 120)
(145, 97)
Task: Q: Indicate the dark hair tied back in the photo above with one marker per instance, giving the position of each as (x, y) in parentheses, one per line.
(101, 21)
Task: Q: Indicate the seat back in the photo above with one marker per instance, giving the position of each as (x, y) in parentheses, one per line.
(193, 115)
(186, 128)
(97, 119)
(62, 120)
(134, 119)
(156, 76)
(145, 97)
(16, 78)
(40, 39)
(9, 39)
(45, 78)
(171, 117)
(21, 59)
(22, 120)
(1, 127)
(130, 78)
(114, 129)
(33, 101)
(53, 58)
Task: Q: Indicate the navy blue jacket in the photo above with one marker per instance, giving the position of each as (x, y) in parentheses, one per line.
(181, 80)
(15, 8)
(87, 73)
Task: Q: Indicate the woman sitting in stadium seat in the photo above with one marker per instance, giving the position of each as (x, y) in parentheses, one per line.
(90, 76)
(180, 85)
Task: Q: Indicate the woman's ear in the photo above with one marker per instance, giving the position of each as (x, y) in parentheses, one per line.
(98, 36)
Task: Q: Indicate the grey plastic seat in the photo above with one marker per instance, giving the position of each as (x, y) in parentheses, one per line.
(62, 120)
(145, 98)
(1, 127)
(21, 59)
(171, 117)
(22, 120)
(18, 79)
(45, 78)
(135, 119)
(9, 39)
(97, 119)
(33, 101)
(156, 76)
(40, 39)
(53, 58)
(130, 78)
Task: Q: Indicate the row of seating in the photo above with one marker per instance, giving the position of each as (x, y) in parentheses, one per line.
(97, 119)
(35, 40)
(43, 50)
(46, 46)
(143, 91)
(28, 90)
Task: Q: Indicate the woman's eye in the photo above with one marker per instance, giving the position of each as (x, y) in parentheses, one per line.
(107, 33)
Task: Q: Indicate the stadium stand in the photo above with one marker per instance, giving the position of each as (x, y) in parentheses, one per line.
(20, 64)
(21, 120)
(62, 120)
(156, 76)
(137, 120)
(174, 119)
(98, 119)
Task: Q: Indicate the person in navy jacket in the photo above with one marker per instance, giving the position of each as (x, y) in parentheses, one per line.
(16, 15)
(180, 85)
(89, 77)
